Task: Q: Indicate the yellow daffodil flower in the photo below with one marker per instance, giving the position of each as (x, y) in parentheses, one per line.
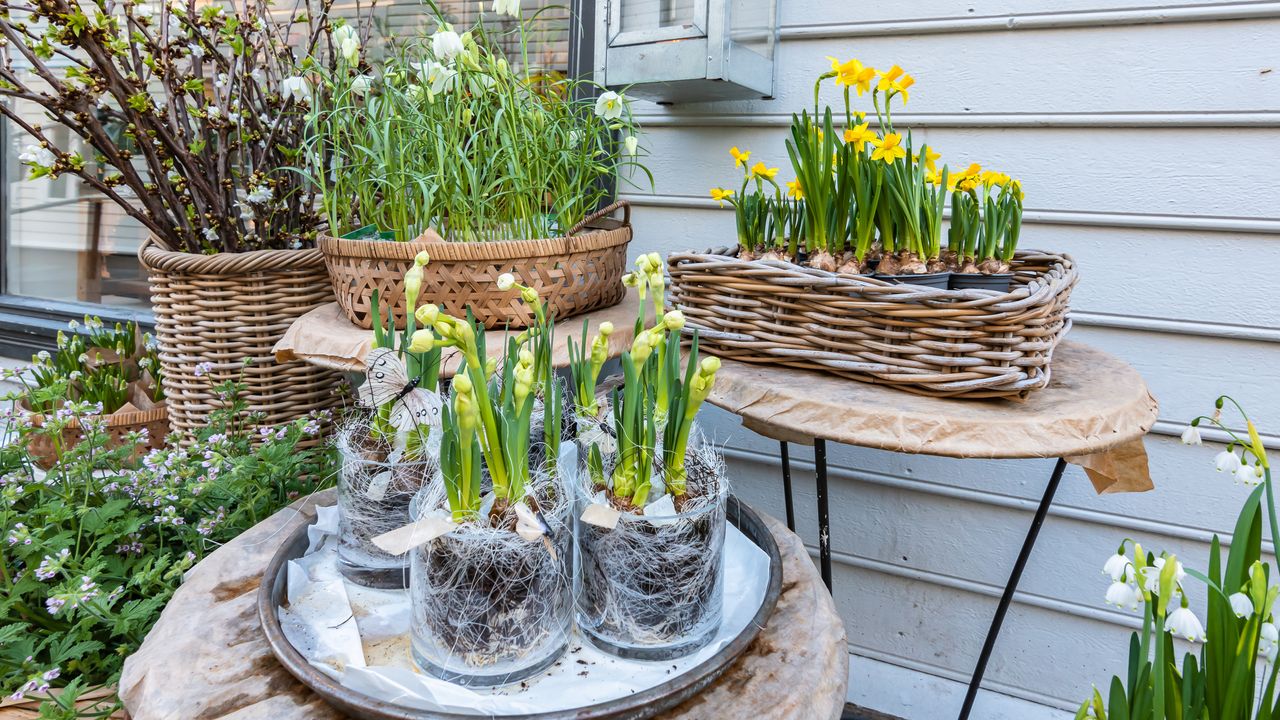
(901, 84)
(885, 84)
(853, 73)
(994, 179)
(739, 158)
(888, 149)
(1017, 190)
(859, 135)
(765, 173)
(933, 177)
(720, 195)
(794, 189)
(931, 160)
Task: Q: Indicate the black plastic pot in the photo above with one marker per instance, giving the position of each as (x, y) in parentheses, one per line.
(934, 280)
(999, 282)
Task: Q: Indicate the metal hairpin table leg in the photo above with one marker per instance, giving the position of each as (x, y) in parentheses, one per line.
(1027, 545)
(824, 516)
(786, 486)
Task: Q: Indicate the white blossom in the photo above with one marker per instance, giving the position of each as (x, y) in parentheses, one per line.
(361, 84)
(1248, 474)
(446, 44)
(38, 156)
(1184, 623)
(1122, 595)
(1191, 436)
(260, 194)
(296, 88)
(629, 145)
(1227, 461)
(610, 105)
(1241, 605)
(347, 41)
(1116, 566)
(508, 7)
(1267, 644)
(506, 281)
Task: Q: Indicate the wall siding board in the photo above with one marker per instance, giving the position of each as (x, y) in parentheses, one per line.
(1138, 133)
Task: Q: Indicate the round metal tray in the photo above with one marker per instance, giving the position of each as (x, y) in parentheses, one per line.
(645, 704)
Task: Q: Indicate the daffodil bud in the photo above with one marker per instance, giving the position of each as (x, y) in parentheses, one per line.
(490, 366)
(529, 295)
(606, 328)
(506, 281)
(461, 384)
(526, 357)
(630, 280)
(412, 286)
(655, 261)
(427, 315)
(444, 326)
(642, 264)
(422, 341)
(709, 365)
(422, 258)
(640, 350)
(673, 320)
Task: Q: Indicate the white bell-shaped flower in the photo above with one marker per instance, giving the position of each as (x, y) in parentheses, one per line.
(1122, 595)
(1248, 474)
(1184, 624)
(1227, 461)
(1191, 436)
(1116, 566)
(1241, 605)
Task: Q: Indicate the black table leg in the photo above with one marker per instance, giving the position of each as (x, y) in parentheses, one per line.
(989, 644)
(786, 486)
(824, 516)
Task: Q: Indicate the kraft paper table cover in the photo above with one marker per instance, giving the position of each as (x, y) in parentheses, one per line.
(1094, 413)
(325, 337)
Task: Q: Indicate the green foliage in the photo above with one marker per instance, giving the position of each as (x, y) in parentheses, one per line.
(92, 549)
(95, 364)
(455, 137)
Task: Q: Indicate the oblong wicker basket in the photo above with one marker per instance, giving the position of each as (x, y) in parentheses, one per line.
(946, 343)
(119, 424)
(574, 274)
(228, 310)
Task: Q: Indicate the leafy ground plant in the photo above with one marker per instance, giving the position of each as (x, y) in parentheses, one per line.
(91, 550)
(1233, 676)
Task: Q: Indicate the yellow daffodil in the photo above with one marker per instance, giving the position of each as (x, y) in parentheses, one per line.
(1016, 187)
(901, 84)
(931, 160)
(853, 73)
(994, 179)
(765, 173)
(720, 195)
(933, 177)
(859, 135)
(794, 189)
(739, 158)
(887, 78)
(888, 149)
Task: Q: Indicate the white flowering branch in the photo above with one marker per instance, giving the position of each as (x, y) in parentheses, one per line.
(187, 108)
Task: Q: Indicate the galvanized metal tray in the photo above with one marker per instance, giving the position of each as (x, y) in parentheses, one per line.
(645, 704)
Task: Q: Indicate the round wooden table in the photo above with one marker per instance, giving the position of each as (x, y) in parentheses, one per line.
(207, 658)
(1094, 413)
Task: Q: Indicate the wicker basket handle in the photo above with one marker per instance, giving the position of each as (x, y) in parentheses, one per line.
(604, 212)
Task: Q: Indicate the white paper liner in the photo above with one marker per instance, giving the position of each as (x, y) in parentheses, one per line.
(359, 637)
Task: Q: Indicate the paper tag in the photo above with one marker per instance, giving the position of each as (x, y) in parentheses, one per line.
(550, 548)
(601, 516)
(378, 486)
(403, 539)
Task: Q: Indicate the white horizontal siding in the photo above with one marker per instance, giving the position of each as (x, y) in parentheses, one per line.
(1140, 134)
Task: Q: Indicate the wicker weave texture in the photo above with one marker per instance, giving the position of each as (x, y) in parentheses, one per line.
(946, 343)
(155, 421)
(574, 274)
(228, 310)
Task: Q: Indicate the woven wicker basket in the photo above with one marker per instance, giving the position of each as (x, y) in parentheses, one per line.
(574, 274)
(947, 343)
(228, 310)
(155, 420)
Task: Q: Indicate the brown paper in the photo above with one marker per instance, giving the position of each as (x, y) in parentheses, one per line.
(325, 337)
(1094, 413)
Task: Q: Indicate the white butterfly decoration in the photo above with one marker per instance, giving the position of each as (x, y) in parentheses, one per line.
(386, 380)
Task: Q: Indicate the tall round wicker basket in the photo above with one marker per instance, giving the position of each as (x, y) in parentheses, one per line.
(574, 274)
(217, 318)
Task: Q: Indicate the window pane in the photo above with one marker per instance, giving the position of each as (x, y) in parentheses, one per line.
(63, 240)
